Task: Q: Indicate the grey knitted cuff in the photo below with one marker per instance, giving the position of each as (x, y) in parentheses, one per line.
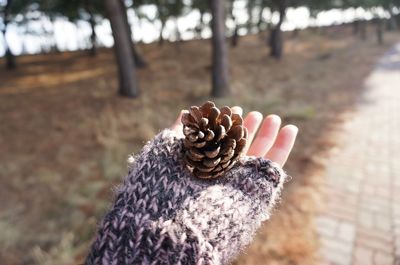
(164, 215)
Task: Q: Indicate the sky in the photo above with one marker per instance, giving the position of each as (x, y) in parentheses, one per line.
(72, 36)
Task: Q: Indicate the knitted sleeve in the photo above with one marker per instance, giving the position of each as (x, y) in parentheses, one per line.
(164, 215)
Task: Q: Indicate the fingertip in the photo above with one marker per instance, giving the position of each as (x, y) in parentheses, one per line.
(237, 110)
(274, 118)
(283, 145)
(176, 126)
(291, 128)
(287, 136)
(252, 121)
(181, 114)
(256, 115)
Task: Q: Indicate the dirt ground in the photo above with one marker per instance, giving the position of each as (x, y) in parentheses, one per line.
(65, 135)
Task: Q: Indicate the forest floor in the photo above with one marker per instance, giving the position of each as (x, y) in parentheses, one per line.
(65, 134)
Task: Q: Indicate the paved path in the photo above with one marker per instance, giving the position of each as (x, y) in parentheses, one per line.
(360, 223)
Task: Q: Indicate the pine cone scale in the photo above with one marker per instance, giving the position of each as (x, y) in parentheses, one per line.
(242, 143)
(237, 119)
(195, 113)
(210, 135)
(212, 153)
(220, 133)
(236, 132)
(189, 121)
(226, 110)
(205, 108)
(194, 153)
(209, 162)
(212, 117)
(226, 121)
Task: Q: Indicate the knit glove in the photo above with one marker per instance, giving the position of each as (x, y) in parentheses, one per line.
(164, 215)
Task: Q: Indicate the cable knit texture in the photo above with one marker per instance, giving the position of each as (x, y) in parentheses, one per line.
(164, 215)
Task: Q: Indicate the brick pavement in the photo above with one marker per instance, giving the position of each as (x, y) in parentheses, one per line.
(360, 221)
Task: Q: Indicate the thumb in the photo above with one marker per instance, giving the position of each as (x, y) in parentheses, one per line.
(259, 178)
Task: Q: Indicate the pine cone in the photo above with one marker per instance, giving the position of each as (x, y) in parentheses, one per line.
(214, 139)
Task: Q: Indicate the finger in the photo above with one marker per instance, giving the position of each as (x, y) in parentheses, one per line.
(177, 125)
(266, 136)
(237, 110)
(251, 122)
(283, 145)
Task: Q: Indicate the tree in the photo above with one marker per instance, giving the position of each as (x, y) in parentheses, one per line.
(372, 6)
(136, 5)
(262, 4)
(75, 10)
(235, 33)
(379, 30)
(138, 59)
(203, 7)
(90, 9)
(10, 58)
(122, 48)
(163, 17)
(176, 9)
(250, 25)
(220, 75)
(360, 26)
(166, 10)
(87, 10)
(392, 25)
(249, 9)
(275, 40)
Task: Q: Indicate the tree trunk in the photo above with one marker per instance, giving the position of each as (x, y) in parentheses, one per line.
(356, 27)
(54, 46)
(200, 27)
(235, 36)
(92, 22)
(178, 35)
(276, 40)
(93, 37)
(397, 18)
(10, 58)
(220, 75)
(363, 29)
(122, 47)
(379, 31)
(161, 38)
(249, 26)
(269, 23)
(392, 25)
(139, 60)
(260, 19)
(276, 43)
(163, 19)
(295, 33)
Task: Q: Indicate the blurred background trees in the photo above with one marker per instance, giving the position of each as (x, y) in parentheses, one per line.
(222, 13)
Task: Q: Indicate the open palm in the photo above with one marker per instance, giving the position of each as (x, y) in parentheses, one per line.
(271, 141)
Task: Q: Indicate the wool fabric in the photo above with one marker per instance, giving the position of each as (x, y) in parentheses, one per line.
(162, 214)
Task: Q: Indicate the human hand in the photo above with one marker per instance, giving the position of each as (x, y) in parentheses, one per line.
(269, 142)
(163, 214)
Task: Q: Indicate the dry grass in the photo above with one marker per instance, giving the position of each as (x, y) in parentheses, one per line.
(65, 135)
